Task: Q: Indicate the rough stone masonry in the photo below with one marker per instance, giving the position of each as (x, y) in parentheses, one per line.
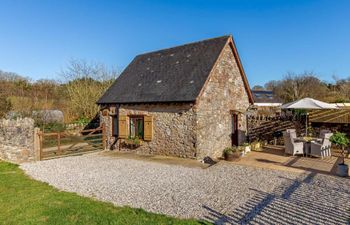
(193, 130)
(17, 140)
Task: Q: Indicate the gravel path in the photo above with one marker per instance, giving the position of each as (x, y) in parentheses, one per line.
(223, 193)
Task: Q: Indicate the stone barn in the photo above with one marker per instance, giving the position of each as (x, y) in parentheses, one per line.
(187, 101)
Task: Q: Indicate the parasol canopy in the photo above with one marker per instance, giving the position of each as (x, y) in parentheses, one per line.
(308, 103)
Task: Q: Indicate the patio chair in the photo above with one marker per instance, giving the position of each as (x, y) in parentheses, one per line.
(292, 147)
(323, 132)
(292, 132)
(322, 149)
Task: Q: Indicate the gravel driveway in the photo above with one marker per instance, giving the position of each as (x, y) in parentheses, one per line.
(223, 193)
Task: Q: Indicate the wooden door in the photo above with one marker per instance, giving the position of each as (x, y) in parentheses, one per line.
(234, 135)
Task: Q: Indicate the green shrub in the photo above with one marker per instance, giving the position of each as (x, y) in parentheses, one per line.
(134, 140)
(232, 149)
(245, 144)
(340, 139)
(53, 127)
(241, 148)
(82, 121)
(228, 150)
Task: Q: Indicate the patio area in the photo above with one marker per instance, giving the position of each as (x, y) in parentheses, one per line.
(273, 157)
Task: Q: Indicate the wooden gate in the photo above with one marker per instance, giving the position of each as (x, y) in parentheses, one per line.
(60, 144)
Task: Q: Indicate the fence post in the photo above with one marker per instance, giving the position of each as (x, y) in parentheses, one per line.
(37, 144)
(104, 136)
(59, 143)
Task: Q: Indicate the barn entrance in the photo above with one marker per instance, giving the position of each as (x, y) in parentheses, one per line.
(234, 125)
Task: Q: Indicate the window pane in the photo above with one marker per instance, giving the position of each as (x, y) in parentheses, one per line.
(140, 127)
(136, 127)
(132, 127)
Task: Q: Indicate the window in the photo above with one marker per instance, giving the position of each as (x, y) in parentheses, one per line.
(136, 126)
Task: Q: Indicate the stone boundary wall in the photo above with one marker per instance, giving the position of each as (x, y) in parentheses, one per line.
(18, 140)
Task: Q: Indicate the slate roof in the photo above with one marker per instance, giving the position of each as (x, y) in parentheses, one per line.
(170, 75)
(265, 97)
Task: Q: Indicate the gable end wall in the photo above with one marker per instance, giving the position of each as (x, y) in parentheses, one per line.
(224, 92)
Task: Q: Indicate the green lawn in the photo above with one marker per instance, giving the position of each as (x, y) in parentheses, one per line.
(26, 201)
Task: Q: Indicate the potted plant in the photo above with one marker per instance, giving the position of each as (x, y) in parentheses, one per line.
(247, 147)
(241, 150)
(341, 140)
(133, 142)
(256, 145)
(231, 153)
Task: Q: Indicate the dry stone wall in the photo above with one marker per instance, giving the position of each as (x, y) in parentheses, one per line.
(17, 140)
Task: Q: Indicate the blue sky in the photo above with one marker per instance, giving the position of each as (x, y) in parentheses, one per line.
(38, 38)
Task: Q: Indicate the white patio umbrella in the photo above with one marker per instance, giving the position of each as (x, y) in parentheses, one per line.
(307, 104)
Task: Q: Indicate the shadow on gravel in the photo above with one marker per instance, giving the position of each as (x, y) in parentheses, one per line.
(296, 201)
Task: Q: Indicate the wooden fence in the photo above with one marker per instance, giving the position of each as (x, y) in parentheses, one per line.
(337, 116)
(59, 144)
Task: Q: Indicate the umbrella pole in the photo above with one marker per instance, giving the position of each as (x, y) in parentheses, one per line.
(306, 123)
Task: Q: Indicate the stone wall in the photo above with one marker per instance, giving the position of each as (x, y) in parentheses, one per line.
(173, 124)
(224, 94)
(17, 140)
(106, 120)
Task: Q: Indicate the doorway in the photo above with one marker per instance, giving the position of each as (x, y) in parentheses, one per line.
(234, 124)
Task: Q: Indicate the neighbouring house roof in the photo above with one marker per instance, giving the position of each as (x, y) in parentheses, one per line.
(261, 97)
(175, 74)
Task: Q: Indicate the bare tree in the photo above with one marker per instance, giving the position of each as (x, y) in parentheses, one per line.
(294, 87)
(85, 83)
(341, 89)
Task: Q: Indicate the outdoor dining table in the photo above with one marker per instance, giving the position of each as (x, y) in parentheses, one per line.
(307, 143)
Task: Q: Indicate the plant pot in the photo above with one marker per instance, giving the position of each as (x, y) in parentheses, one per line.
(343, 170)
(256, 146)
(131, 144)
(232, 156)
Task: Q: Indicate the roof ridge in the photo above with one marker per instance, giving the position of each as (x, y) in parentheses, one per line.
(178, 46)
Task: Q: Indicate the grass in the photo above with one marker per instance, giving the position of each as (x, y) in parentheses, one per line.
(26, 201)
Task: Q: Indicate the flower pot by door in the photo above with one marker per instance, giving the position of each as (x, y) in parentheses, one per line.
(343, 170)
(246, 149)
(232, 156)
